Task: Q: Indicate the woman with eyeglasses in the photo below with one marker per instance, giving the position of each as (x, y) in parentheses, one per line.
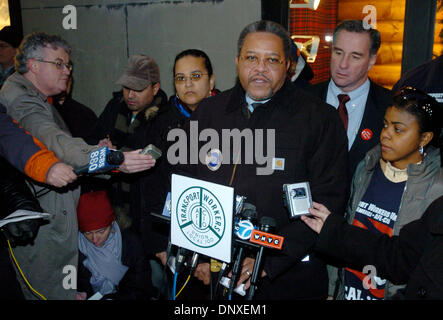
(392, 187)
(194, 81)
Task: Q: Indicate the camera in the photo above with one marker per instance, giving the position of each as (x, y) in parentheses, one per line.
(298, 199)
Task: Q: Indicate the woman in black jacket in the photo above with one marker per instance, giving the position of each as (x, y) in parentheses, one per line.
(194, 81)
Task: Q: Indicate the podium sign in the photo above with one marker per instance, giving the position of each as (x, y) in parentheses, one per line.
(201, 217)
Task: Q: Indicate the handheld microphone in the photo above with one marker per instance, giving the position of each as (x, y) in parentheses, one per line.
(194, 261)
(249, 214)
(215, 268)
(267, 224)
(101, 160)
(180, 259)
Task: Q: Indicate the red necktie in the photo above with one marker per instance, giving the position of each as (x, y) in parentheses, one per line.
(343, 98)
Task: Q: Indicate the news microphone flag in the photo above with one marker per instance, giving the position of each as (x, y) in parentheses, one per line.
(101, 160)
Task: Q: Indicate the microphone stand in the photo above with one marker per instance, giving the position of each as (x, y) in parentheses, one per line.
(235, 270)
(255, 274)
(266, 225)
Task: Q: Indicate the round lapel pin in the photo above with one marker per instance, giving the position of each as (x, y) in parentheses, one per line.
(214, 159)
(366, 134)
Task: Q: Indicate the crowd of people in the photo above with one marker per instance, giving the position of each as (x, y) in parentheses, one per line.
(372, 157)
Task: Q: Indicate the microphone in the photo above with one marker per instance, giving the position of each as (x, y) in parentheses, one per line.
(180, 259)
(267, 224)
(194, 261)
(249, 214)
(101, 160)
(215, 268)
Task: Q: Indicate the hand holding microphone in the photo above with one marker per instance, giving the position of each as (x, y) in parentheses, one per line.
(60, 174)
(246, 273)
(202, 273)
(249, 266)
(103, 160)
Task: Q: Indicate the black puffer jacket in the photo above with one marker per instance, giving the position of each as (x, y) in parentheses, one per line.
(14, 192)
(156, 183)
(14, 195)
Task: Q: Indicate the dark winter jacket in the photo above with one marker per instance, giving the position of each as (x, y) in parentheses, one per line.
(414, 257)
(156, 183)
(136, 284)
(427, 77)
(115, 121)
(14, 195)
(32, 157)
(310, 137)
(78, 117)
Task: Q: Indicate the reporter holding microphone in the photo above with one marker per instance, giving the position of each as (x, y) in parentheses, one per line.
(25, 96)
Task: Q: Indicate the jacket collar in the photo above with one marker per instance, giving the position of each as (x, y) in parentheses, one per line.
(430, 163)
(282, 98)
(27, 85)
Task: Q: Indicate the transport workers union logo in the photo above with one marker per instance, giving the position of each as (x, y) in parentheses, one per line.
(201, 217)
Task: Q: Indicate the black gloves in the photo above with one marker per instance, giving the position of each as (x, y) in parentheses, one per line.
(21, 233)
(15, 194)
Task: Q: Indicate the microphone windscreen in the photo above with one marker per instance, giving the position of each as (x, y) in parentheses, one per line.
(115, 157)
(267, 223)
(249, 211)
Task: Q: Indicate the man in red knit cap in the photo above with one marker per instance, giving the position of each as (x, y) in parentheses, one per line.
(111, 261)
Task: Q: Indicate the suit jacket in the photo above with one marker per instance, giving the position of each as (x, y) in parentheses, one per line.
(379, 99)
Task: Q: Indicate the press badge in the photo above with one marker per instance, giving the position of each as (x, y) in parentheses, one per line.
(278, 163)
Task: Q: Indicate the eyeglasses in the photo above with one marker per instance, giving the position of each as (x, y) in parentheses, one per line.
(59, 64)
(252, 60)
(194, 77)
(422, 100)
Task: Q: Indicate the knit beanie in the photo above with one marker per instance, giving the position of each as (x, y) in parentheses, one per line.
(11, 35)
(94, 211)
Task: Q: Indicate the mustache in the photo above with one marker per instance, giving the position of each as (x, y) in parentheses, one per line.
(261, 75)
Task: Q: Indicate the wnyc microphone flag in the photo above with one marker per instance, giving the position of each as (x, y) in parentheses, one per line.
(202, 216)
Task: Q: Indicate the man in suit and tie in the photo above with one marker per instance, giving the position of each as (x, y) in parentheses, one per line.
(360, 102)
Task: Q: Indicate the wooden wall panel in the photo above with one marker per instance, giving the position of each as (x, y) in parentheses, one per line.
(390, 24)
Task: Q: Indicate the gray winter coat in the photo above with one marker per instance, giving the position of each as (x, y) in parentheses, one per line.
(49, 264)
(424, 185)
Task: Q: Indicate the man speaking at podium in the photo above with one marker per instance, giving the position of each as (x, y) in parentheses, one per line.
(310, 145)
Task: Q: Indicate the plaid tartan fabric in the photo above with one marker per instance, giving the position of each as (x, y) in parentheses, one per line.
(320, 22)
